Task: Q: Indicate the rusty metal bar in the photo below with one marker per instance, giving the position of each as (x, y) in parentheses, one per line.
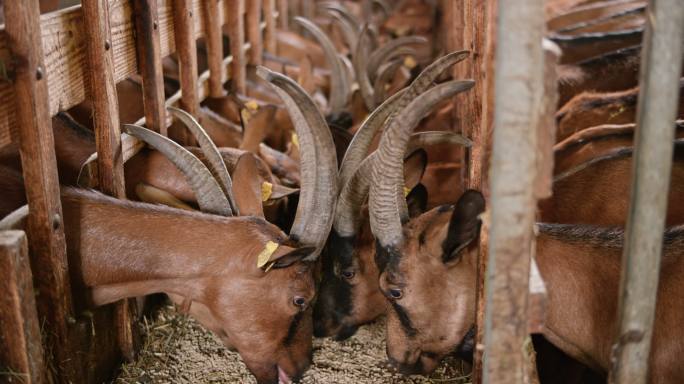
(149, 63)
(22, 350)
(661, 67)
(36, 146)
(107, 132)
(519, 89)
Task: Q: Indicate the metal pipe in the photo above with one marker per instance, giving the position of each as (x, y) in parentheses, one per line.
(661, 67)
(519, 92)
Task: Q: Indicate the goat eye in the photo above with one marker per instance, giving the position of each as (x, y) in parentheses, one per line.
(395, 293)
(299, 301)
(348, 274)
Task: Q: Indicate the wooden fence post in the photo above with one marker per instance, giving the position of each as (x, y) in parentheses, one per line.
(236, 32)
(283, 14)
(253, 25)
(214, 39)
(186, 50)
(271, 27)
(149, 64)
(107, 131)
(661, 65)
(36, 146)
(22, 350)
(519, 97)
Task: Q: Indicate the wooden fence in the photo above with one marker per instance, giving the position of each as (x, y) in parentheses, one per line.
(51, 63)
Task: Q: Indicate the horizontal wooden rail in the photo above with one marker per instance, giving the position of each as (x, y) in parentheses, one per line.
(64, 47)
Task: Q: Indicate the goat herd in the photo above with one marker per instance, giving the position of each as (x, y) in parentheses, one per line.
(309, 207)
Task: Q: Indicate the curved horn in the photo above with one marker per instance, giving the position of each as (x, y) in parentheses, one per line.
(387, 211)
(346, 26)
(384, 53)
(210, 197)
(385, 74)
(355, 172)
(313, 219)
(386, 8)
(360, 65)
(211, 153)
(428, 138)
(339, 88)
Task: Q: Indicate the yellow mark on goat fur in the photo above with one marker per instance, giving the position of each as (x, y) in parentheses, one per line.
(252, 105)
(295, 140)
(407, 190)
(410, 62)
(266, 254)
(245, 114)
(266, 190)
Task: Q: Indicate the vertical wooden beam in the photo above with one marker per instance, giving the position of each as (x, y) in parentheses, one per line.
(469, 25)
(271, 27)
(149, 64)
(519, 97)
(22, 350)
(283, 14)
(100, 74)
(36, 146)
(253, 24)
(214, 38)
(661, 65)
(236, 32)
(186, 48)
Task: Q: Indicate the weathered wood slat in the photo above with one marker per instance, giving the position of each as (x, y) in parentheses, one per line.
(236, 31)
(252, 23)
(36, 146)
(186, 48)
(22, 350)
(214, 47)
(271, 27)
(102, 91)
(149, 61)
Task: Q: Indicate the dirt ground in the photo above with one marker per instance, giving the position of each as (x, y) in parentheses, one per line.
(178, 350)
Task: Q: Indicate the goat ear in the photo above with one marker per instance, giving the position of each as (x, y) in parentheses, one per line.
(417, 200)
(464, 225)
(257, 127)
(414, 167)
(247, 186)
(291, 256)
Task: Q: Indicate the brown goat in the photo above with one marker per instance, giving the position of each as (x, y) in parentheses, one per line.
(429, 283)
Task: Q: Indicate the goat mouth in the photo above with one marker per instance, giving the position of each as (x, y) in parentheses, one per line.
(464, 350)
(283, 378)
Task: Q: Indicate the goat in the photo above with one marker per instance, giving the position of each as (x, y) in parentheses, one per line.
(429, 283)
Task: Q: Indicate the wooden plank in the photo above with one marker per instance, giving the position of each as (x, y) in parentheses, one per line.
(252, 23)
(236, 32)
(107, 132)
(519, 93)
(469, 25)
(271, 27)
(284, 19)
(186, 49)
(661, 66)
(36, 146)
(22, 350)
(149, 60)
(214, 47)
